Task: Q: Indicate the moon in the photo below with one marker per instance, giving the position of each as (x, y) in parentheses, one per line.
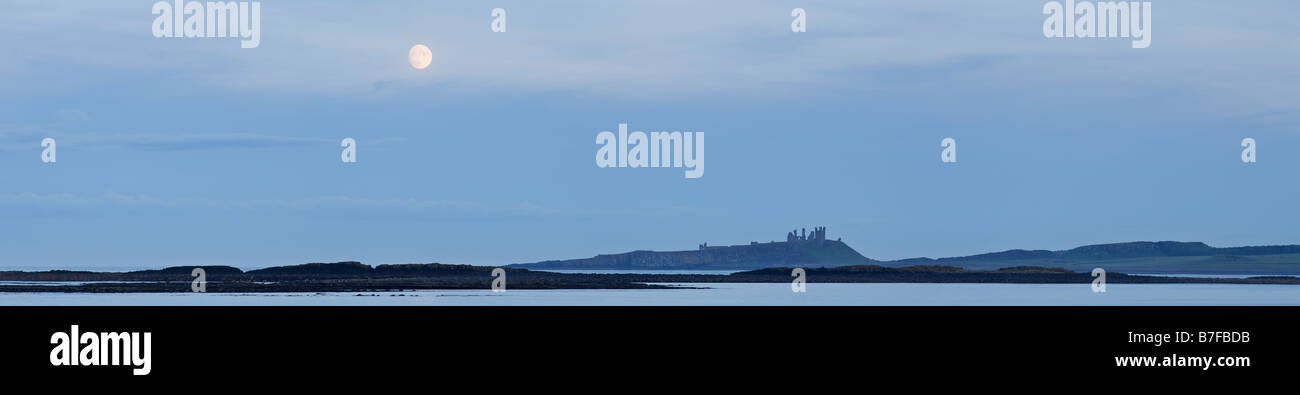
(420, 56)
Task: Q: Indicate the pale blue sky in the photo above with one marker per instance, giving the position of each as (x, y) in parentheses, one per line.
(194, 151)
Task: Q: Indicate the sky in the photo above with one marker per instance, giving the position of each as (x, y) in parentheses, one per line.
(194, 151)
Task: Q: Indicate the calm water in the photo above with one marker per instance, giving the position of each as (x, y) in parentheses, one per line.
(732, 294)
(607, 271)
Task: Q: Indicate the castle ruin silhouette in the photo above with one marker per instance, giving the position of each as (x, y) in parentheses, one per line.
(818, 235)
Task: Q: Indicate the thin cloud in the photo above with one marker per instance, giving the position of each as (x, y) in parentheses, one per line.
(109, 199)
(20, 139)
(197, 141)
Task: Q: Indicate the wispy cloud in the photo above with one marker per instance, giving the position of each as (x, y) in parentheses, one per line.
(156, 142)
(25, 137)
(110, 199)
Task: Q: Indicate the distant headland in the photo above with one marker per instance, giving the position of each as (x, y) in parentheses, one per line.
(802, 248)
